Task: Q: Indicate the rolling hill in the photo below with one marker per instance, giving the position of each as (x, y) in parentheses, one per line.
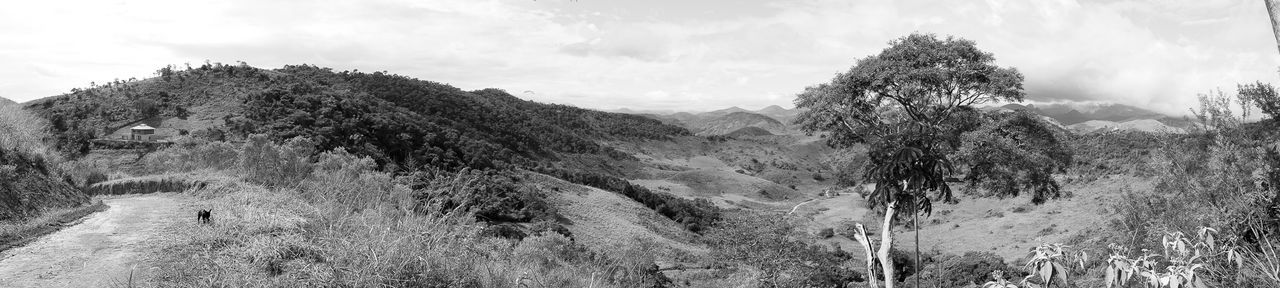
(404, 124)
(784, 115)
(749, 131)
(1091, 117)
(1144, 125)
(774, 119)
(394, 119)
(720, 125)
(30, 181)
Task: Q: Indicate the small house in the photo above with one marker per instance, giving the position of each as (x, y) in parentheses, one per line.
(141, 132)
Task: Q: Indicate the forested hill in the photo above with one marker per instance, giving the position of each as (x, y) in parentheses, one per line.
(395, 119)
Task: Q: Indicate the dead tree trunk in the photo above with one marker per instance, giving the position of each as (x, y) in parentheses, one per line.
(861, 236)
(882, 252)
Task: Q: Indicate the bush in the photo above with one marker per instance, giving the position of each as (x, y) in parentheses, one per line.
(825, 233)
(972, 268)
(548, 227)
(350, 182)
(771, 246)
(267, 163)
(492, 196)
(505, 230)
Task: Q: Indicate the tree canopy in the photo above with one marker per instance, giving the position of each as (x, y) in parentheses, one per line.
(1015, 151)
(909, 103)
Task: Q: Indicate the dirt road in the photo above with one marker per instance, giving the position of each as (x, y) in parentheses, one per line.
(103, 249)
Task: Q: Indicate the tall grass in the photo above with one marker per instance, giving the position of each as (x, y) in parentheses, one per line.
(23, 131)
(148, 184)
(347, 225)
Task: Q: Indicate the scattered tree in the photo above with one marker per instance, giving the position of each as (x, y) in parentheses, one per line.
(899, 102)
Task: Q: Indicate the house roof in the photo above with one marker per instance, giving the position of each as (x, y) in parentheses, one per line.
(142, 127)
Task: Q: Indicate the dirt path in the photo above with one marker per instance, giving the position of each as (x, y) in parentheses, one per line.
(102, 250)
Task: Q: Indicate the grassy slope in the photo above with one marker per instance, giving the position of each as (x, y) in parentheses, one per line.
(29, 179)
(733, 173)
(606, 220)
(263, 237)
(34, 198)
(1007, 227)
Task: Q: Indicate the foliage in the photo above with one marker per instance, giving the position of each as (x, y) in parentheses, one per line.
(30, 177)
(276, 165)
(1050, 262)
(191, 156)
(919, 78)
(21, 130)
(396, 120)
(998, 281)
(29, 184)
(908, 103)
(971, 268)
(771, 245)
(1182, 262)
(898, 101)
(492, 196)
(550, 252)
(410, 122)
(269, 238)
(1115, 153)
(1016, 151)
(1259, 94)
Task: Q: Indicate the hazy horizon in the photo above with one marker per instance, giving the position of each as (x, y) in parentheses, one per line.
(651, 55)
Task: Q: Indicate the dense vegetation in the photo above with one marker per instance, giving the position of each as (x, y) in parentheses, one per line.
(291, 219)
(403, 124)
(410, 122)
(1015, 152)
(393, 119)
(30, 179)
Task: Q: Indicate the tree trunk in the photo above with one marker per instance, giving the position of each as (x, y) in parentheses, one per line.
(867, 247)
(1273, 8)
(915, 224)
(886, 242)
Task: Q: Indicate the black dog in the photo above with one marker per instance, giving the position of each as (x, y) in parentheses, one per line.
(203, 216)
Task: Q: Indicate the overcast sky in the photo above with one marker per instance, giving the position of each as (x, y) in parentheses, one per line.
(650, 54)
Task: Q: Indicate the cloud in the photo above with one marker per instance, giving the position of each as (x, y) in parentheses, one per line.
(652, 54)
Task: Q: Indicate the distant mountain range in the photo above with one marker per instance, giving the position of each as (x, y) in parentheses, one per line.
(1100, 117)
(1076, 117)
(773, 120)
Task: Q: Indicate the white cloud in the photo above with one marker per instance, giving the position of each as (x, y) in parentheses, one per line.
(1155, 54)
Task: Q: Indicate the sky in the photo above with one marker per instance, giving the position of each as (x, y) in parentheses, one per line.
(683, 55)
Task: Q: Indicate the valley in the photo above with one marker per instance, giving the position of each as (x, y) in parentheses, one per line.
(495, 188)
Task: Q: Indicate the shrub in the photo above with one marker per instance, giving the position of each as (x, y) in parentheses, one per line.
(771, 246)
(492, 196)
(505, 230)
(547, 227)
(972, 268)
(267, 163)
(352, 183)
(825, 233)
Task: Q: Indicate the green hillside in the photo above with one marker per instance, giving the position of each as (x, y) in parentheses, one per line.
(394, 119)
(29, 179)
(404, 124)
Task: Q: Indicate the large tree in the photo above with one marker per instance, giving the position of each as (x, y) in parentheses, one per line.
(905, 103)
(1012, 152)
